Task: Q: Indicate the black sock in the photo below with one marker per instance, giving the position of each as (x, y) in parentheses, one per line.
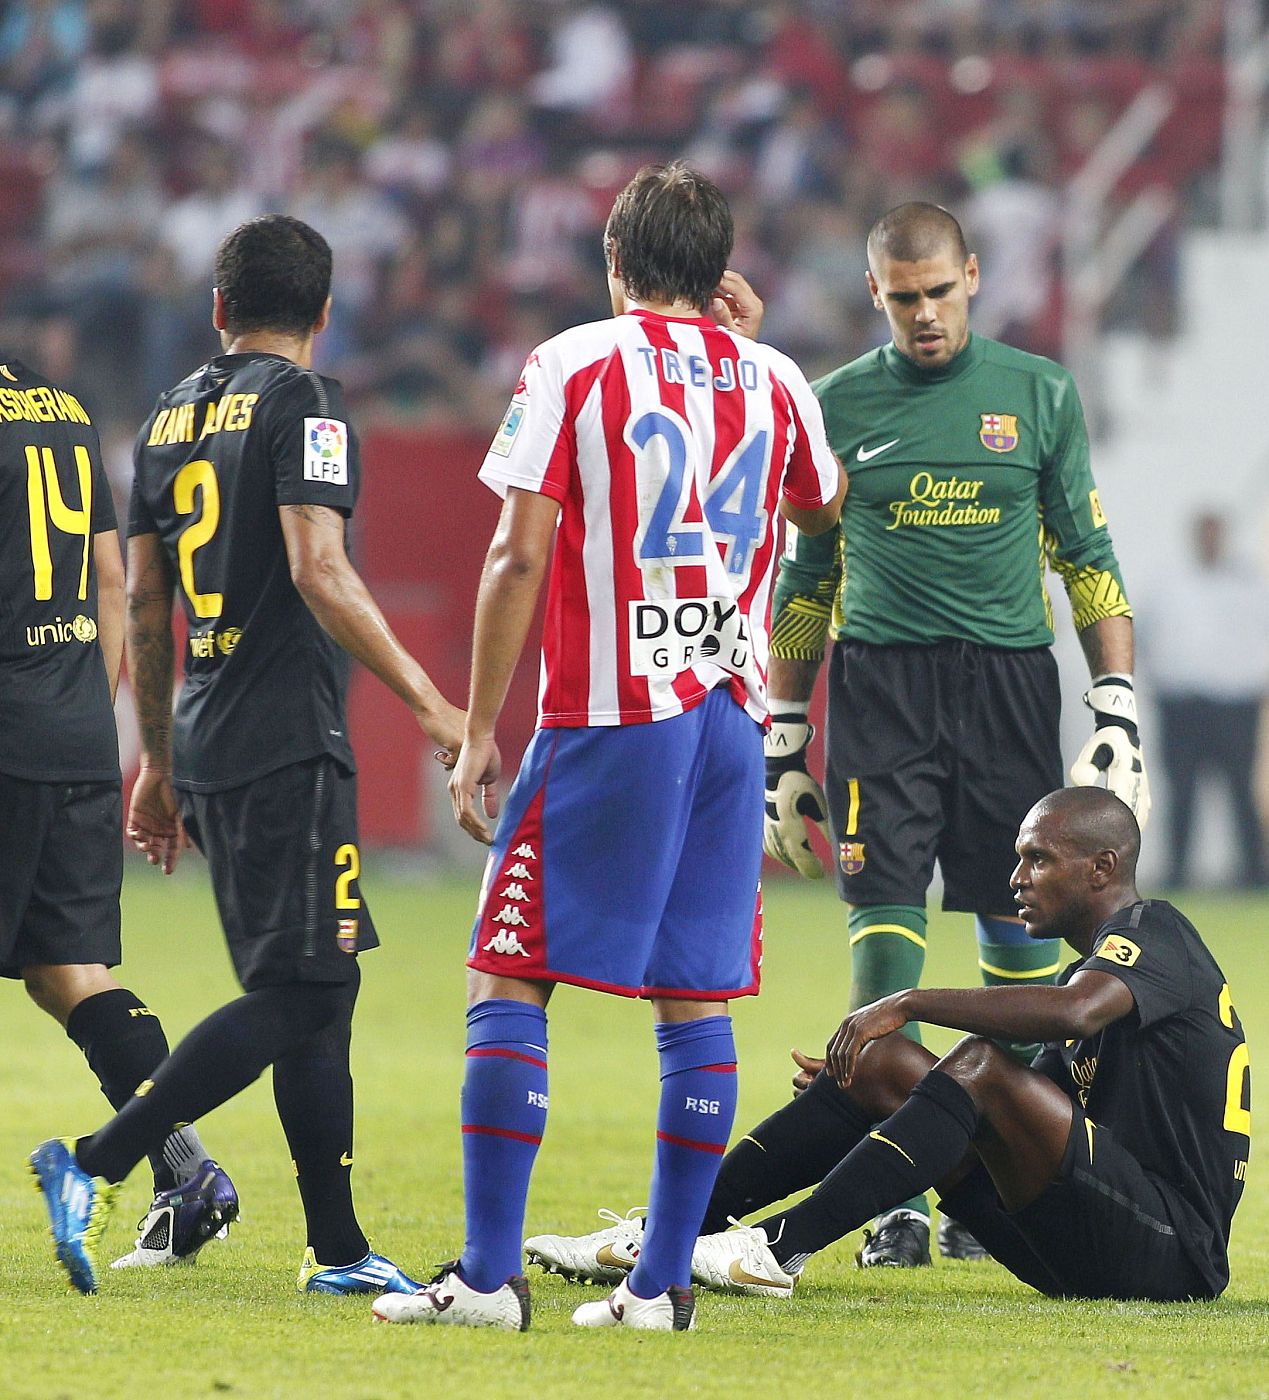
(313, 1089)
(215, 1061)
(794, 1148)
(124, 1043)
(911, 1151)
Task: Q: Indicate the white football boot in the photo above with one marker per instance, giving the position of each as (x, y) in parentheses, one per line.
(740, 1261)
(447, 1299)
(671, 1311)
(606, 1256)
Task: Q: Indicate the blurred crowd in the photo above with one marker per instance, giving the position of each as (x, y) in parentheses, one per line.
(461, 155)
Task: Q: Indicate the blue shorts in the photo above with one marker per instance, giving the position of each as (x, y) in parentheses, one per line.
(627, 859)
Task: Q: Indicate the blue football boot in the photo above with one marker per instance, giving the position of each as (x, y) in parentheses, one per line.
(181, 1221)
(373, 1274)
(78, 1207)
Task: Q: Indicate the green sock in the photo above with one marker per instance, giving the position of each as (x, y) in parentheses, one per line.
(1021, 965)
(887, 953)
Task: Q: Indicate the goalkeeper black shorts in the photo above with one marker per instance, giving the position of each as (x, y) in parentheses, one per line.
(285, 868)
(937, 752)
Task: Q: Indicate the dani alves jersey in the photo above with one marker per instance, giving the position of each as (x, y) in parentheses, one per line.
(964, 482)
(1172, 1081)
(264, 684)
(56, 720)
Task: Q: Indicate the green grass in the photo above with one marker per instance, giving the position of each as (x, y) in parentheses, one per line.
(234, 1325)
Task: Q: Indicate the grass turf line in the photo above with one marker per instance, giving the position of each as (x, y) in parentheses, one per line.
(233, 1325)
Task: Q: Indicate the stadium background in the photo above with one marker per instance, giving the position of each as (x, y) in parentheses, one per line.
(461, 155)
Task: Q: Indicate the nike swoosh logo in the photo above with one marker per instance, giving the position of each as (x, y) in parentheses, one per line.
(608, 1257)
(866, 454)
(738, 1274)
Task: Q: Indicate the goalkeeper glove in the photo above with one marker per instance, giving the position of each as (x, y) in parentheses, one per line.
(1115, 748)
(792, 797)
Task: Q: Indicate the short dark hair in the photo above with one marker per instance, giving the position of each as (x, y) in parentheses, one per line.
(1092, 819)
(915, 232)
(673, 233)
(273, 274)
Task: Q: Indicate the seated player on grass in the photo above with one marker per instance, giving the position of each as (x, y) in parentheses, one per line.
(1111, 1168)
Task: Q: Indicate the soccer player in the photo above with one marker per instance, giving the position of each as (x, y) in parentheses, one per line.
(246, 474)
(969, 470)
(653, 451)
(1111, 1168)
(61, 852)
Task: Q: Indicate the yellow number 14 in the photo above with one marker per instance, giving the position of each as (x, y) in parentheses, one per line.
(42, 484)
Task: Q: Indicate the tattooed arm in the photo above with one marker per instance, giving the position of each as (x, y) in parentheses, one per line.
(154, 821)
(341, 602)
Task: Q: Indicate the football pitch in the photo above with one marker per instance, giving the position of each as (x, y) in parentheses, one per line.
(233, 1325)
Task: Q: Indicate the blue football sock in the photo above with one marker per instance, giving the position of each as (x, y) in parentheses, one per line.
(1009, 957)
(698, 1104)
(504, 1116)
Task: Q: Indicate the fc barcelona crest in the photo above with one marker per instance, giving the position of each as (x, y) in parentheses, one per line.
(998, 432)
(852, 857)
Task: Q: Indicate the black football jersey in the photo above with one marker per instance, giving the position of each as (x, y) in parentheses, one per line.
(56, 720)
(264, 685)
(1171, 1080)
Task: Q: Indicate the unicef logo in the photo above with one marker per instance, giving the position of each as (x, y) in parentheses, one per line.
(84, 629)
(325, 440)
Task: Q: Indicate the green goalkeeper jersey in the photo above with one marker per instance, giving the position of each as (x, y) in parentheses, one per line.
(965, 482)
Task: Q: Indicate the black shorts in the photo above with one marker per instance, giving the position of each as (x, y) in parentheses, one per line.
(285, 868)
(1107, 1228)
(61, 866)
(937, 752)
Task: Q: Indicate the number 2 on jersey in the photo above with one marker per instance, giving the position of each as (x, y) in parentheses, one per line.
(197, 476)
(733, 502)
(41, 478)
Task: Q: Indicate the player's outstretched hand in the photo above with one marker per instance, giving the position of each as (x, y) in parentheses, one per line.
(444, 728)
(792, 798)
(154, 823)
(477, 768)
(860, 1028)
(736, 306)
(808, 1068)
(1112, 757)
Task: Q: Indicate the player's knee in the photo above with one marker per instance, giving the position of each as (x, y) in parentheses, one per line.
(59, 989)
(887, 1071)
(976, 1063)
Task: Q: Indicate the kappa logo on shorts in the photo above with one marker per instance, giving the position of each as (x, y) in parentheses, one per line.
(505, 943)
(852, 857)
(514, 891)
(519, 871)
(510, 916)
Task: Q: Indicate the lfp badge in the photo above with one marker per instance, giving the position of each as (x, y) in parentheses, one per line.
(326, 451)
(998, 432)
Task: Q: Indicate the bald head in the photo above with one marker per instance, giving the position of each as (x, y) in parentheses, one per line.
(1087, 820)
(915, 232)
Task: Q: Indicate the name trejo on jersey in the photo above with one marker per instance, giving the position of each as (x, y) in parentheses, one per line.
(677, 368)
(667, 638)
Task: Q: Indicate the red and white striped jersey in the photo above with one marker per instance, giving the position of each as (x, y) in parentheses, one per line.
(668, 443)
